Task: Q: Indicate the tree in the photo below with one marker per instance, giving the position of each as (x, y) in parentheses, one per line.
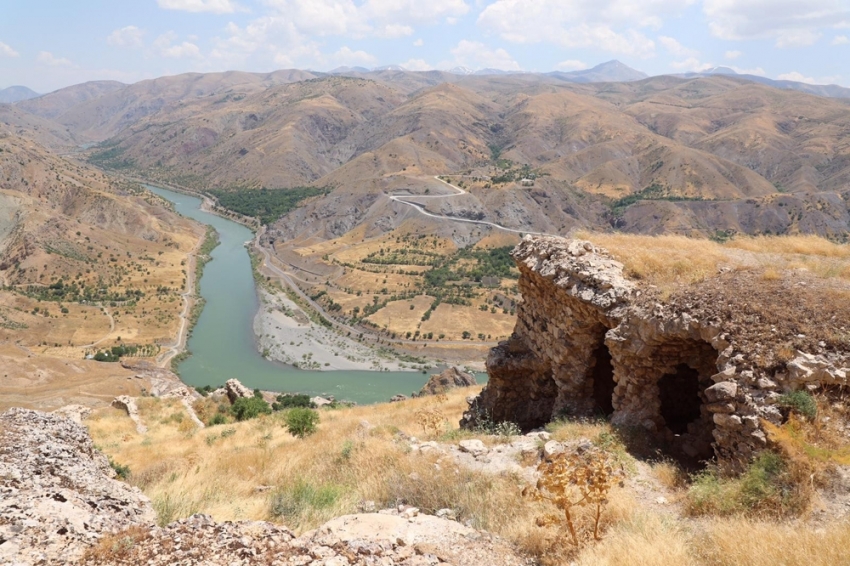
(301, 421)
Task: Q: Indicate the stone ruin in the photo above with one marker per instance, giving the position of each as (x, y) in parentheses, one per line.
(590, 342)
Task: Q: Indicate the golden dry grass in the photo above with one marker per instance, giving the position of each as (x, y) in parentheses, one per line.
(670, 261)
(306, 482)
(218, 470)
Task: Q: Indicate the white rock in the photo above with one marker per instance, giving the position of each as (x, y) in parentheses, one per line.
(473, 446)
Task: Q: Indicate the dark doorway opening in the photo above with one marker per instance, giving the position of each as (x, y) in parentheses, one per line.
(680, 400)
(602, 375)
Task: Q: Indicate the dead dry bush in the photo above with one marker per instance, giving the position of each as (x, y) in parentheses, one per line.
(574, 480)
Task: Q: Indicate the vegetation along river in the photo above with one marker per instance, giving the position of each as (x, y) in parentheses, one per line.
(222, 342)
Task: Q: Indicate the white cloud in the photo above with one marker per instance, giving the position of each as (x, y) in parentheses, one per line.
(417, 65)
(347, 56)
(798, 77)
(213, 6)
(801, 78)
(691, 64)
(673, 46)
(47, 58)
(790, 23)
(166, 47)
(475, 54)
(418, 43)
(840, 40)
(571, 65)
(129, 36)
(6, 51)
(733, 54)
(609, 25)
(391, 31)
(382, 18)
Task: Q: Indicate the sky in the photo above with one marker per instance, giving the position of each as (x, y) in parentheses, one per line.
(47, 45)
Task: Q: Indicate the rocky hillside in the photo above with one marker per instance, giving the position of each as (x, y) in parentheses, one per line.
(61, 504)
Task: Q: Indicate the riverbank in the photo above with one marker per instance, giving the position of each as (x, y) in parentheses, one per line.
(287, 335)
(223, 343)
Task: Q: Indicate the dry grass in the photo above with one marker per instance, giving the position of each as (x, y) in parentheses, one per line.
(655, 540)
(307, 482)
(670, 261)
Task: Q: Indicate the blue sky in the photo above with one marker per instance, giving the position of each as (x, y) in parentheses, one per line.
(50, 44)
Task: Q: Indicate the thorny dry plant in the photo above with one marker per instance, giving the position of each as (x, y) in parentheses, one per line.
(431, 417)
(577, 479)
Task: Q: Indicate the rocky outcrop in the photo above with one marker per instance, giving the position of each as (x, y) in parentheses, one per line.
(59, 504)
(450, 378)
(57, 495)
(235, 390)
(693, 372)
(128, 405)
(386, 538)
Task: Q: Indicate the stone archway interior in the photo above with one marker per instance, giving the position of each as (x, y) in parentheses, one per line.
(602, 375)
(679, 393)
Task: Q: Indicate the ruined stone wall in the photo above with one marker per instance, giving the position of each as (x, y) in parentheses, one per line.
(589, 342)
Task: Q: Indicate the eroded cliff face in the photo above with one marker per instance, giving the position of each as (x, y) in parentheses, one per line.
(589, 342)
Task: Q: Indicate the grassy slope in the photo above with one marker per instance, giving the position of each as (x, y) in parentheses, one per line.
(218, 471)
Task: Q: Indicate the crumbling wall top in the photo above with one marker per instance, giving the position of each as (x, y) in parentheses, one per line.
(580, 268)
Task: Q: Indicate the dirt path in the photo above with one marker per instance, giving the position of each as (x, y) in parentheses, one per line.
(182, 335)
(421, 209)
(111, 329)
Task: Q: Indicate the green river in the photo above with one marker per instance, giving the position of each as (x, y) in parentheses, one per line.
(222, 342)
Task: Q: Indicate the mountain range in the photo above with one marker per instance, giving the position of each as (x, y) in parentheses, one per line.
(709, 153)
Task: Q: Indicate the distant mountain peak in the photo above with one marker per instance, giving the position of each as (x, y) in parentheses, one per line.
(608, 72)
(460, 70)
(17, 93)
(721, 71)
(340, 70)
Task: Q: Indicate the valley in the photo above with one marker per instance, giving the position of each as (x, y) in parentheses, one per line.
(386, 202)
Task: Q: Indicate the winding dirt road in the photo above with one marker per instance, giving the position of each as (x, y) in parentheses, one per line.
(421, 209)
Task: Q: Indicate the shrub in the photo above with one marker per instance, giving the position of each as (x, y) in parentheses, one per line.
(246, 408)
(770, 484)
(800, 402)
(205, 390)
(301, 421)
(121, 472)
(217, 419)
(295, 501)
(292, 401)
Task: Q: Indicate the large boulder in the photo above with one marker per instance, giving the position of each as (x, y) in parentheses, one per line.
(449, 379)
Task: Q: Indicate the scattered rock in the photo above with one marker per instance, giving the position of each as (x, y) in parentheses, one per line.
(321, 402)
(449, 379)
(473, 446)
(398, 398)
(552, 448)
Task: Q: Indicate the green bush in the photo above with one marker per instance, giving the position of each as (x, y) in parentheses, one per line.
(301, 421)
(217, 419)
(800, 402)
(246, 408)
(768, 485)
(297, 500)
(121, 472)
(292, 401)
